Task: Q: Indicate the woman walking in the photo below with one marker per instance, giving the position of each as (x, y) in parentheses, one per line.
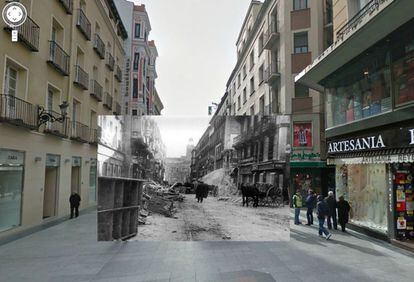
(343, 212)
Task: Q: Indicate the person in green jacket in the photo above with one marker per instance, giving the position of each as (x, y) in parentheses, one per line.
(297, 204)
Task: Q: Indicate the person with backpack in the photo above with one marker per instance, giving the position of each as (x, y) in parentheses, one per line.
(322, 210)
(310, 205)
(343, 212)
(297, 205)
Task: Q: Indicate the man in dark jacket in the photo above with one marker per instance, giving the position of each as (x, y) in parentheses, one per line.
(330, 200)
(322, 210)
(343, 212)
(310, 205)
(74, 201)
(200, 191)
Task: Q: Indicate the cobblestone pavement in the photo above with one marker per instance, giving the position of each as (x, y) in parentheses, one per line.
(69, 252)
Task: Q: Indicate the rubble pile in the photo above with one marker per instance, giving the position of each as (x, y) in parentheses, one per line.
(222, 180)
(159, 199)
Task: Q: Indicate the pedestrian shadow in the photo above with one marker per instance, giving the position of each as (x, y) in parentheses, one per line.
(305, 237)
(365, 250)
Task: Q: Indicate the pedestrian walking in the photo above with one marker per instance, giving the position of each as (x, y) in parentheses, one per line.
(330, 200)
(310, 205)
(74, 201)
(343, 212)
(297, 205)
(322, 210)
(199, 190)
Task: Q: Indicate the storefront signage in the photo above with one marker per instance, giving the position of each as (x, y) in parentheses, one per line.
(305, 156)
(400, 137)
(9, 157)
(398, 158)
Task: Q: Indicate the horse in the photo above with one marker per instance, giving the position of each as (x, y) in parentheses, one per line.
(250, 191)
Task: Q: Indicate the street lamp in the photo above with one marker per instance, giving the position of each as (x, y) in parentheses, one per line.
(46, 116)
(288, 151)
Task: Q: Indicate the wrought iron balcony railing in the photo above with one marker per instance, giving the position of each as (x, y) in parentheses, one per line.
(272, 73)
(110, 61)
(28, 34)
(118, 109)
(61, 129)
(95, 136)
(99, 46)
(96, 90)
(118, 74)
(84, 24)
(368, 9)
(68, 5)
(271, 35)
(58, 58)
(81, 78)
(80, 132)
(18, 112)
(107, 101)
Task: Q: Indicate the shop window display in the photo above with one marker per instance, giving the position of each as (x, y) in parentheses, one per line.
(404, 200)
(305, 181)
(364, 186)
(10, 196)
(403, 70)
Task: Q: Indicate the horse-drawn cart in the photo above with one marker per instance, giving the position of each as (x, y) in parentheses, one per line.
(263, 194)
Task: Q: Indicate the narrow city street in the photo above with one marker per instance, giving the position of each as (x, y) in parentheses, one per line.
(215, 220)
(69, 252)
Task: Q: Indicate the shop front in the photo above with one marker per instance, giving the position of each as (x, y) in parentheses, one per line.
(374, 172)
(269, 172)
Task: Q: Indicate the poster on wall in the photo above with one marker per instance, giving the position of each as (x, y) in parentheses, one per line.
(400, 196)
(401, 223)
(302, 135)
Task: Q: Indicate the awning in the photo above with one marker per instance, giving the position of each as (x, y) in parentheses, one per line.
(402, 155)
(369, 29)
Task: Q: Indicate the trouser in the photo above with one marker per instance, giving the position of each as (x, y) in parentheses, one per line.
(335, 223)
(343, 226)
(200, 199)
(309, 215)
(74, 209)
(297, 212)
(322, 228)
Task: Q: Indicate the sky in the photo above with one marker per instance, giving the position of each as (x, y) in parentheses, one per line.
(176, 132)
(196, 42)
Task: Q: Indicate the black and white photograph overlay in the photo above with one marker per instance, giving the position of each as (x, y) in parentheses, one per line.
(193, 178)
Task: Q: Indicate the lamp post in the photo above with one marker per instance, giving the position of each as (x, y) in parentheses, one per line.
(46, 116)
(288, 151)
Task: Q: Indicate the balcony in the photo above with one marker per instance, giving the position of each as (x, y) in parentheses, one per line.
(118, 109)
(67, 5)
(300, 61)
(80, 132)
(57, 128)
(272, 73)
(267, 124)
(96, 90)
(83, 24)
(300, 19)
(118, 74)
(271, 36)
(81, 78)
(107, 101)
(17, 112)
(110, 61)
(28, 34)
(248, 160)
(95, 136)
(99, 46)
(58, 58)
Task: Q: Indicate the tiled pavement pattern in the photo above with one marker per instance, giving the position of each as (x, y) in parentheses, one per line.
(69, 252)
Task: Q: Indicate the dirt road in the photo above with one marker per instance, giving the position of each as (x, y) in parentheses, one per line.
(215, 220)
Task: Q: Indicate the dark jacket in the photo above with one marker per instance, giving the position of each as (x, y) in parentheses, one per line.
(75, 200)
(343, 211)
(322, 209)
(331, 202)
(311, 201)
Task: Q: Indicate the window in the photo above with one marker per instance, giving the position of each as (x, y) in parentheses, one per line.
(10, 87)
(252, 86)
(136, 61)
(244, 72)
(261, 44)
(126, 108)
(300, 4)
(261, 74)
(251, 60)
(50, 99)
(239, 80)
(135, 88)
(301, 43)
(239, 103)
(244, 96)
(301, 91)
(137, 30)
(134, 112)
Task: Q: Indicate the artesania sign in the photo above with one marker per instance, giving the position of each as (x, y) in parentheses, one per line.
(386, 139)
(358, 144)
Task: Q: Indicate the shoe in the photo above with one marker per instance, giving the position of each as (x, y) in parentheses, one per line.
(329, 236)
(321, 236)
(308, 224)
